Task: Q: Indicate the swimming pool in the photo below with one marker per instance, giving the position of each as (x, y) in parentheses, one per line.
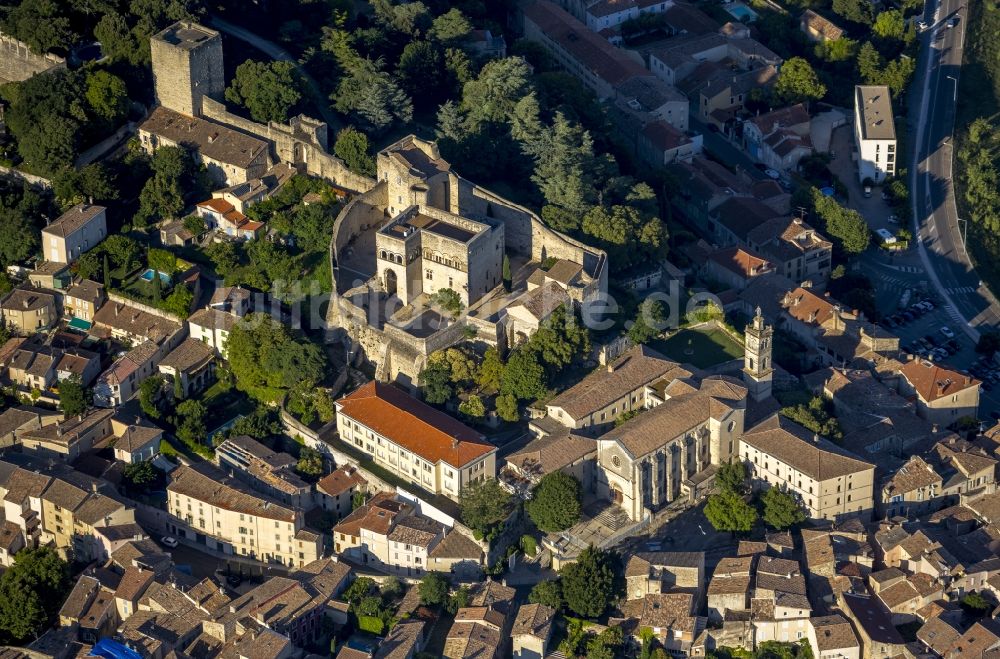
(150, 273)
(741, 12)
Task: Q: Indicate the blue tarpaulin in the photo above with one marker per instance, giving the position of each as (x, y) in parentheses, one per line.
(110, 649)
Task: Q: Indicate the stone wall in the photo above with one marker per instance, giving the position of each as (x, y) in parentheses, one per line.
(18, 63)
(37, 181)
(302, 143)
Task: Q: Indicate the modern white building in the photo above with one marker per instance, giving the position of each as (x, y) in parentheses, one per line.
(874, 133)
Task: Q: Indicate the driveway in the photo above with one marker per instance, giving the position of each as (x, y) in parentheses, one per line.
(875, 211)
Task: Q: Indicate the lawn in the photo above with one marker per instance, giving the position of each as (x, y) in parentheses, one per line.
(707, 347)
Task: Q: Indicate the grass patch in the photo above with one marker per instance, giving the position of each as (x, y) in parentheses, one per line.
(707, 347)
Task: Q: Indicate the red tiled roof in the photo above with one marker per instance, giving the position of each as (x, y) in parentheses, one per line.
(933, 381)
(416, 426)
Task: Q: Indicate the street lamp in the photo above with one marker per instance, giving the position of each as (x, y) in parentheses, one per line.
(954, 96)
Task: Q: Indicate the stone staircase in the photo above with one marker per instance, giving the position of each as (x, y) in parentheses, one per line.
(613, 517)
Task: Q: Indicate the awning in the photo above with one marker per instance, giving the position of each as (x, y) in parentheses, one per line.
(80, 324)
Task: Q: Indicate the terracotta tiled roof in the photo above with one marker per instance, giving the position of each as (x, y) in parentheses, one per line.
(209, 486)
(741, 262)
(340, 480)
(807, 307)
(833, 633)
(933, 381)
(375, 516)
(414, 425)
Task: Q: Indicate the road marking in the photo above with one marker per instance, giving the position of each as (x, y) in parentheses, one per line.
(963, 289)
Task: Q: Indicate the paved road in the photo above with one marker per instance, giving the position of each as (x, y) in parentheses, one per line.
(274, 51)
(941, 246)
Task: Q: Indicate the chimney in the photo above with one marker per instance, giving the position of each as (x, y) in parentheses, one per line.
(93, 487)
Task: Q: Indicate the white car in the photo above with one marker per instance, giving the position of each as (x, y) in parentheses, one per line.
(772, 173)
(169, 541)
(893, 219)
(922, 25)
(886, 237)
(947, 332)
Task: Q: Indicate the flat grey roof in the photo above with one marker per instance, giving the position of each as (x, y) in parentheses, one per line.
(875, 106)
(186, 35)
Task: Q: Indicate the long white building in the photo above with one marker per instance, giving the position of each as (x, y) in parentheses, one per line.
(874, 133)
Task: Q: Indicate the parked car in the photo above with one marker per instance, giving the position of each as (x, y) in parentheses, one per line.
(168, 541)
(953, 21)
(947, 332)
(922, 25)
(772, 173)
(868, 192)
(893, 219)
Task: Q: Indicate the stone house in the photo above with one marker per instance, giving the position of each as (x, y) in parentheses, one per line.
(74, 232)
(532, 631)
(83, 299)
(729, 589)
(193, 362)
(779, 138)
(230, 156)
(663, 571)
(819, 28)
(832, 637)
(942, 395)
(735, 267)
(122, 379)
(266, 471)
(27, 311)
(335, 491)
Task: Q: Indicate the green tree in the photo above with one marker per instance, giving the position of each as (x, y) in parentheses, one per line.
(190, 421)
(846, 226)
(548, 593)
(890, 24)
(163, 194)
(727, 511)
(433, 589)
(435, 382)
(124, 251)
(310, 462)
(352, 147)
(497, 90)
(42, 24)
(815, 416)
(151, 396)
(523, 376)
(179, 301)
(797, 82)
(781, 509)
(140, 475)
(451, 27)
(732, 476)
(94, 181)
(565, 165)
(117, 41)
(358, 590)
(422, 73)
(490, 371)
(372, 97)
(507, 408)
(555, 502)
(459, 599)
(473, 407)
(107, 96)
(268, 90)
(650, 321)
(870, 64)
(73, 396)
(267, 360)
(590, 585)
(975, 602)
(560, 339)
(485, 505)
(31, 592)
(859, 11)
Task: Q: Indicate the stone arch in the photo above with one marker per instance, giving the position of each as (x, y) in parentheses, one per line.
(390, 282)
(616, 494)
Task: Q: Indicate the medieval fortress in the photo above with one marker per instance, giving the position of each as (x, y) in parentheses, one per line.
(418, 230)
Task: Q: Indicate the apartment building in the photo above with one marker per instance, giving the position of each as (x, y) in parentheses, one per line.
(413, 440)
(830, 482)
(874, 133)
(74, 232)
(210, 509)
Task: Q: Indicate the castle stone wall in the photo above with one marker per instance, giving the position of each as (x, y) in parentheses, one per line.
(18, 63)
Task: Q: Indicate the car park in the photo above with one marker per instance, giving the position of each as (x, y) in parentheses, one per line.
(947, 332)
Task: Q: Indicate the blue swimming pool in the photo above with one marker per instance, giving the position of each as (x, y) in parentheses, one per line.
(150, 273)
(742, 13)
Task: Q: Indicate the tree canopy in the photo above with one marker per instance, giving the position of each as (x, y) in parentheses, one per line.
(73, 397)
(797, 82)
(485, 505)
(267, 360)
(590, 584)
(781, 509)
(31, 592)
(555, 502)
(728, 511)
(268, 90)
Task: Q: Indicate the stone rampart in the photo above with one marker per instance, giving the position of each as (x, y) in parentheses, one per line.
(18, 63)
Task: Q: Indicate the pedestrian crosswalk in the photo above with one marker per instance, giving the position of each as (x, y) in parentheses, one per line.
(906, 268)
(961, 289)
(955, 316)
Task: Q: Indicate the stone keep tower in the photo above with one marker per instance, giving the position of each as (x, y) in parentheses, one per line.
(757, 371)
(187, 66)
